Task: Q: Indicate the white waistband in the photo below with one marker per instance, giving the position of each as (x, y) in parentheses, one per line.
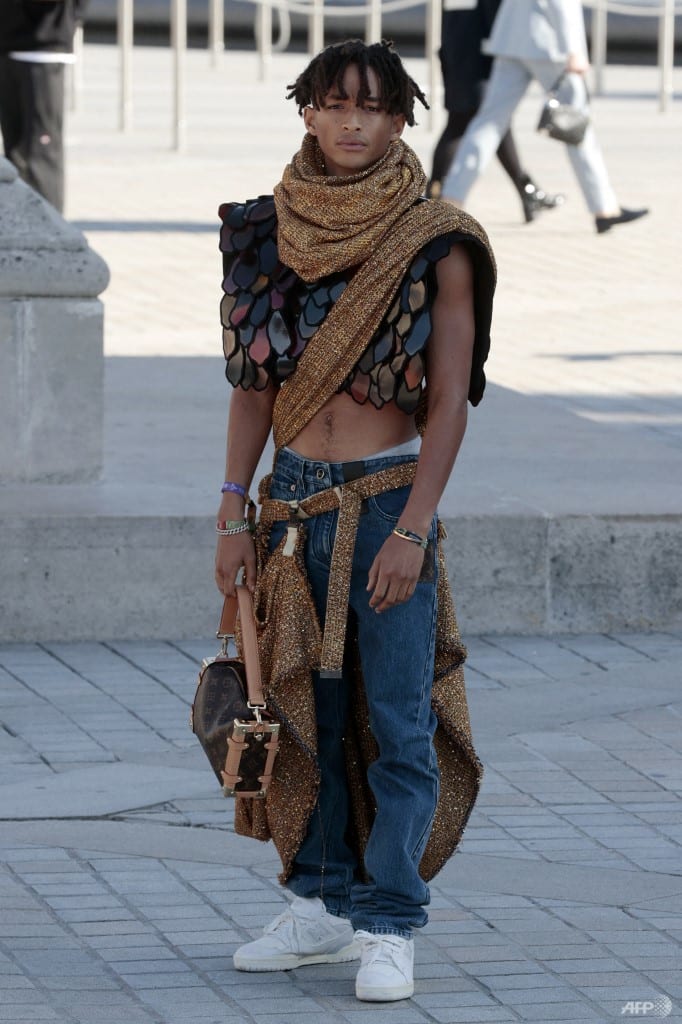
(42, 57)
(411, 447)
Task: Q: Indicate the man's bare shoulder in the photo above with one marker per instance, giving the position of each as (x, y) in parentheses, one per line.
(454, 272)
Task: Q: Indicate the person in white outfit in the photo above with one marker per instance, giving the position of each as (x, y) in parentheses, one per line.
(542, 40)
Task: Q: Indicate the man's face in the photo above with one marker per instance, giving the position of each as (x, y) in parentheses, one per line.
(353, 137)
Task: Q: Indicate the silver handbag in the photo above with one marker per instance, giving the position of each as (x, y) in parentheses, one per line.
(561, 121)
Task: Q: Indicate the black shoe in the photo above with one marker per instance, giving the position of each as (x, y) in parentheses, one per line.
(624, 217)
(534, 199)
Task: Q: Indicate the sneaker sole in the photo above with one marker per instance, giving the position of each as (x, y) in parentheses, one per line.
(384, 995)
(288, 961)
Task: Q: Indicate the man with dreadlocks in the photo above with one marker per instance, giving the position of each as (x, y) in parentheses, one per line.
(356, 323)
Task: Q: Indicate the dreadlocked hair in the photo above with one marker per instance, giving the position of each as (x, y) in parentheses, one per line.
(325, 72)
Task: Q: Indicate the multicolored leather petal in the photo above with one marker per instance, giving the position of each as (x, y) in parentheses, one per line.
(393, 365)
(269, 314)
(256, 287)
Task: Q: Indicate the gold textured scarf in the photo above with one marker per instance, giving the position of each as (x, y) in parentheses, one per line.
(327, 223)
(371, 221)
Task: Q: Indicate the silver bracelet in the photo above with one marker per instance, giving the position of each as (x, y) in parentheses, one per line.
(414, 538)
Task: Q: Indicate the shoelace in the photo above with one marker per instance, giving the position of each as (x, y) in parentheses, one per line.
(284, 918)
(375, 951)
(288, 920)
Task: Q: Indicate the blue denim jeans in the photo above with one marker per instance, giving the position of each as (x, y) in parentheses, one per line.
(397, 656)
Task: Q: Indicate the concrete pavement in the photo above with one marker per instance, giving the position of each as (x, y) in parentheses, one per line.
(124, 890)
(563, 512)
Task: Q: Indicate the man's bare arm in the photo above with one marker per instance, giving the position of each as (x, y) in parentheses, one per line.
(395, 571)
(249, 425)
(448, 373)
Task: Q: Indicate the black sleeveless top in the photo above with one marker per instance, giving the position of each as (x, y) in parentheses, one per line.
(39, 25)
(268, 313)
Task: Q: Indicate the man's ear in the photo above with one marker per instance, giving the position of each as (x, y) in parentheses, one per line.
(398, 125)
(309, 120)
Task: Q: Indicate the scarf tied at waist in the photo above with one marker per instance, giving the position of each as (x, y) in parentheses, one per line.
(347, 498)
(292, 647)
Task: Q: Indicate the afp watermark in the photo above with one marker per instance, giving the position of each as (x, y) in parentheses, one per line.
(661, 1006)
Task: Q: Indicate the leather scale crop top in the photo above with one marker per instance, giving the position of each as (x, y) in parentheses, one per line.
(269, 313)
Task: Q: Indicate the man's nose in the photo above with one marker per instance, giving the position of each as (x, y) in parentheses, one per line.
(352, 120)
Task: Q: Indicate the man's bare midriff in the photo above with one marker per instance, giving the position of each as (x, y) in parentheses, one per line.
(343, 430)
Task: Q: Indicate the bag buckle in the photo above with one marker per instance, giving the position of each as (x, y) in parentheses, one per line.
(257, 708)
(266, 733)
(295, 511)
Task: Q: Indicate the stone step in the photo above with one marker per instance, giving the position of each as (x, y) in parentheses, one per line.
(151, 577)
(555, 523)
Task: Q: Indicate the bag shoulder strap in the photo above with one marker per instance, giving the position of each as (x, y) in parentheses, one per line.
(242, 603)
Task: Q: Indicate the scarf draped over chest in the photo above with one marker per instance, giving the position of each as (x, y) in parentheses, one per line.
(372, 221)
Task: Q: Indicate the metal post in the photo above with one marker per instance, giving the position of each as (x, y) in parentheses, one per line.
(666, 52)
(433, 36)
(179, 46)
(124, 39)
(599, 37)
(216, 30)
(75, 86)
(373, 22)
(316, 28)
(264, 20)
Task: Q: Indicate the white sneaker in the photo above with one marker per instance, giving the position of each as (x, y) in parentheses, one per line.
(386, 968)
(304, 934)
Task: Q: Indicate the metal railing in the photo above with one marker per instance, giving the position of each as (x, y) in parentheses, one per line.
(665, 11)
(317, 11)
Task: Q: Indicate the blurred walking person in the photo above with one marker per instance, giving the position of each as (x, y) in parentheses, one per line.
(36, 43)
(543, 40)
(466, 69)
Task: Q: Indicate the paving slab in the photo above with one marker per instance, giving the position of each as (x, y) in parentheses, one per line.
(148, 840)
(101, 790)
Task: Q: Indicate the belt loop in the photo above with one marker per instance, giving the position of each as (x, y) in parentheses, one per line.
(296, 512)
(292, 538)
(353, 470)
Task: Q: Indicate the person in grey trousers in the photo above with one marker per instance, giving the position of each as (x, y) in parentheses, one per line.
(466, 70)
(542, 40)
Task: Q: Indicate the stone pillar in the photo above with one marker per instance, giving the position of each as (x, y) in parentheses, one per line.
(51, 342)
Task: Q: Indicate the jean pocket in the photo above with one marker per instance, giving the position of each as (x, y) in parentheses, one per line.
(283, 487)
(390, 504)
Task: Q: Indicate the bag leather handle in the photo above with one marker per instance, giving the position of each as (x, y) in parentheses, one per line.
(557, 85)
(242, 603)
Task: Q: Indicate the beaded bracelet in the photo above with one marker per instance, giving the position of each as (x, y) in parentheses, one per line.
(233, 488)
(414, 538)
(229, 524)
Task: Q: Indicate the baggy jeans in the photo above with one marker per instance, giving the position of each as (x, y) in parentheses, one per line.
(397, 657)
(509, 81)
